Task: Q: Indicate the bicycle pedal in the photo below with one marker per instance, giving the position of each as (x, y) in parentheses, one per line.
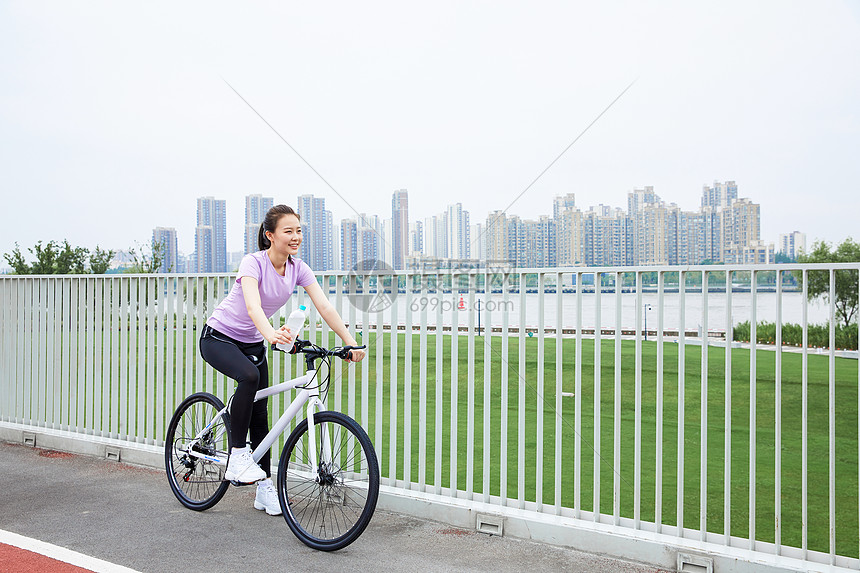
(241, 483)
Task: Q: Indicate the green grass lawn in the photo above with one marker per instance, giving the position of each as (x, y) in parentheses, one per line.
(533, 401)
(532, 397)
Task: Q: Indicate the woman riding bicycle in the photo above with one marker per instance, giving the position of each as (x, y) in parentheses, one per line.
(232, 340)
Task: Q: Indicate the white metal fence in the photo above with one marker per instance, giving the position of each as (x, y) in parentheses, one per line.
(751, 446)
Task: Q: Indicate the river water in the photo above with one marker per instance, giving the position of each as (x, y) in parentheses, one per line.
(717, 316)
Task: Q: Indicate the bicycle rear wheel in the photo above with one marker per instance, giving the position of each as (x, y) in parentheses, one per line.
(196, 482)
(328, 506)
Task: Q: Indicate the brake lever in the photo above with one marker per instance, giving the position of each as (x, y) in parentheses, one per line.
(345, 353)
(299, 345)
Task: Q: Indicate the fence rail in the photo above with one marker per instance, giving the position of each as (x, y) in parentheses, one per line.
(676, 434)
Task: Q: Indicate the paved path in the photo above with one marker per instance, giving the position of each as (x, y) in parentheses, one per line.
(127, 515)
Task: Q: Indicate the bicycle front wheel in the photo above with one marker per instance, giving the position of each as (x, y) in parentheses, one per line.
(196, 479)
(328, 504)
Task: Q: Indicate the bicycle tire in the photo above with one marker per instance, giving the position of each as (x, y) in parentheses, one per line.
(328, 508)
(197, 483)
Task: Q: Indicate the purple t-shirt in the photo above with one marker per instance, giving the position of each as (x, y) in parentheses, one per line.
(231, 315)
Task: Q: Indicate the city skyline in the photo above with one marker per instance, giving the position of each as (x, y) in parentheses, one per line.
(726, 228)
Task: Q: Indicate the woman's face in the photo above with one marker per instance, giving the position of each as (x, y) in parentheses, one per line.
(287, 236)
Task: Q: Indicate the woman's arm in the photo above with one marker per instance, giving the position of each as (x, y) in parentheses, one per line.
(251, 292)
(331, 317)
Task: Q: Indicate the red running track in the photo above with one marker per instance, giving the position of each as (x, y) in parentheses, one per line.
(16, 560)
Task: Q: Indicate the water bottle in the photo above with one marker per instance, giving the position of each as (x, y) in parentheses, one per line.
(295, 322)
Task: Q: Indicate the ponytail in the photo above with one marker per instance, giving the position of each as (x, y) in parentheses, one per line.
(262, 241)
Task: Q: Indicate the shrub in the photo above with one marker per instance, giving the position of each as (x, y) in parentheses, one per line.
(818, 335)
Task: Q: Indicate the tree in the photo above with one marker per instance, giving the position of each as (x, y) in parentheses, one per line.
(17, 262)
(46, 259)
(146, 260)
(846, 280)
(100, 260)
(71, 260)
(53, 258)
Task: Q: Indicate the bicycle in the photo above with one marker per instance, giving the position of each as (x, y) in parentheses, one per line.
(327, 480)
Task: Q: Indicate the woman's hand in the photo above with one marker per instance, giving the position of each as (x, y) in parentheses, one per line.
(288, 333)
(280, 336)
(357, 354)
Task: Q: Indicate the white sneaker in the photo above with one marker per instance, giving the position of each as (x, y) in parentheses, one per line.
(242, 468)
(267, 498)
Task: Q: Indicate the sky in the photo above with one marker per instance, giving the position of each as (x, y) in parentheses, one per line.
(116, 116)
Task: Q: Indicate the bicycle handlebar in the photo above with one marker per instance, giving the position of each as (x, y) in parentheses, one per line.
(307, 347)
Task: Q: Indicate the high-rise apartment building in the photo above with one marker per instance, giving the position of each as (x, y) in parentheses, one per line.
(416, 239)
(370, 221)
(458, 232)
(317, 233)
(210, 235)
(368, 248)
(741, 228)
(349, 244)
(256, 207)
(607, 237)
(792, 244)
(569, 238)
(203, 256)
(562, 203)
(497, 251)
(559, 206)
(650, 235)
(712, 234)
(400, 228)
(166, 237)
(515, 241)
(479, 242)
(336, 254)
(720, 195)
(649, 222)
(386, 243)
(755, 253)
(234, 259)
(436, 236)
(369, 240)
(639, 198)
(532, 242)
(529, 244)
(546, 254)
(685, 236)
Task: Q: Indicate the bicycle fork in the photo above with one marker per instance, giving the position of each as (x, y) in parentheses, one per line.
(325, 459)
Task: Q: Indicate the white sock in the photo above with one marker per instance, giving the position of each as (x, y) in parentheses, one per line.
(241, 450)
(264, 482)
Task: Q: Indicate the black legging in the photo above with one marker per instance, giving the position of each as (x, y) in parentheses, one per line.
(231, 358)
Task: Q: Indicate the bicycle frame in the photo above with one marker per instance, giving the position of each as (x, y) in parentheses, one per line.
(311, 396)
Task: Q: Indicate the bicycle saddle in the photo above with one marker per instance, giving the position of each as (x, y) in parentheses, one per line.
(258, 357)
